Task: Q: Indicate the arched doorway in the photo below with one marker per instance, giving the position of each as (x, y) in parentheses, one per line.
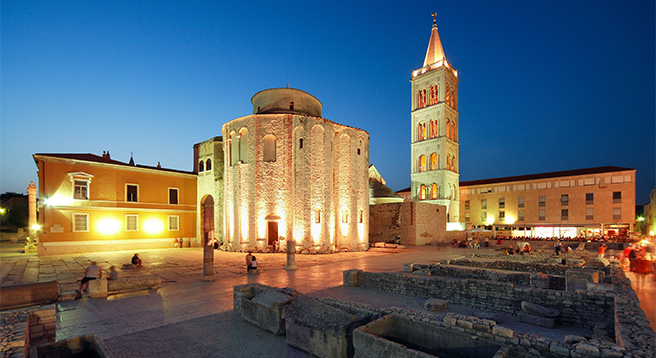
(207, 219)
(272, 231)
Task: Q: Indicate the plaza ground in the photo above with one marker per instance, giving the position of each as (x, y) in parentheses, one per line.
(190, 317)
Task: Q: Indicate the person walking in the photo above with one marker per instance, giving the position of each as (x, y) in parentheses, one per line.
(602, 250)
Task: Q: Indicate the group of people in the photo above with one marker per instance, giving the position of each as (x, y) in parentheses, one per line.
(518, 251)
(471, 244)
(94, 272)
(597, 238)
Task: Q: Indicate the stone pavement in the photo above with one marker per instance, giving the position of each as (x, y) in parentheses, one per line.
(195, 318)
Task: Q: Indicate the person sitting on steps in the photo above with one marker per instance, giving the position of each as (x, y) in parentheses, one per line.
(136, 261)
(91, 273)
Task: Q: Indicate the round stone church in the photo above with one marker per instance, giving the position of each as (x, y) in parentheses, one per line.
(291, 174)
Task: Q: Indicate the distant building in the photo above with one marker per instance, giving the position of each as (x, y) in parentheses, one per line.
(208, 164)
(434, 148)
(291, 174)
(582, 202)
(650, 213)
(94, 203)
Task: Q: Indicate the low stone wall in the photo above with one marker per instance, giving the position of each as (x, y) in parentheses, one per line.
(529, 263)
(581, 309)
(632, 329)
(519, 279)
(23, 328)
(28, 294)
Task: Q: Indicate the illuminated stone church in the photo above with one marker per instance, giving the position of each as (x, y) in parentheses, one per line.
(434, 149)
(287, 173)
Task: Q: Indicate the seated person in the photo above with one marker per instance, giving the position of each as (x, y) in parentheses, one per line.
(91, 273)
(113, 274)
(136, 261)
(253, 264)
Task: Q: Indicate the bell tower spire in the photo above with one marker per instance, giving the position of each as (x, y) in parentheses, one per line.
(435, 52)
(434, 115)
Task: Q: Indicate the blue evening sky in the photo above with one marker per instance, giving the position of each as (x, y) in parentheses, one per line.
(544, 85)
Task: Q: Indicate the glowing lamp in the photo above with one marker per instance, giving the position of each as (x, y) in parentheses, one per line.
(640, 219)
(108, 226)
(490, 220)
(510, 220)
(36, 227)
(153, 226)
(3, 211)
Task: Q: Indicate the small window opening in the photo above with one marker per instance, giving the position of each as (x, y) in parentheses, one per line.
(291, 106)
(358, 151)
(300, 143)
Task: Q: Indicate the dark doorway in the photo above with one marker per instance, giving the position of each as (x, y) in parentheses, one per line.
(272, 230)
(207, 219)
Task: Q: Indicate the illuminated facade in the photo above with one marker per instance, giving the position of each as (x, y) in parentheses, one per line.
(208, 164)
(434, 149)
(94, 203)
(289, 173)
(582, 202)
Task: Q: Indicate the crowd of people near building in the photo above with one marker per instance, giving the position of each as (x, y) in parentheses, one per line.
(596, 238)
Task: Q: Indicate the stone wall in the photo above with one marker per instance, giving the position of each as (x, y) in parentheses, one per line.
(412, 223)
(22, 328)
(583, 309)
(519, 279)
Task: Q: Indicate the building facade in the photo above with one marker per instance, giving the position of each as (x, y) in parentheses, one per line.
(94, 203)
(208, 164)
(434, 117)
(291, 174)
(582, 202)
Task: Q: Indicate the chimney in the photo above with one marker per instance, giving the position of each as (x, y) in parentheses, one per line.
(158, 165)
(106, 155)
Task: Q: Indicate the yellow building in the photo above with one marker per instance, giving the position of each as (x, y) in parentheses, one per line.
(582, 202)
(94, 203)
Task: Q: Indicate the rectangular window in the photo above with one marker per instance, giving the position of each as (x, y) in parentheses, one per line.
(542, 215)
(361, 216)
(344, 216)
(502, 203)
(589, 213)
(131, 192)
(80, 222)
(467, 217)
(520, 215)
(564, 214)
(81, 190)
(542, 201)
(484, 204)
(131, 222)
(317, 216)
(174, 223)
(484, 217)
(520, 202)
(502, 216)
(589, 198)
(173, 196)
(466, 204)
(564, 199)
(617, 213)
(617, 197)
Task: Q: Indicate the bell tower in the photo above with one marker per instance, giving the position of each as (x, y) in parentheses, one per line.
(434, 172)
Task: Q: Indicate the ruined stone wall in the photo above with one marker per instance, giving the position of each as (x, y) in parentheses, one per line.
(584, 309)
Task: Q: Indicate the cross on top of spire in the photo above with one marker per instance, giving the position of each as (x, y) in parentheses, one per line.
(434, 14)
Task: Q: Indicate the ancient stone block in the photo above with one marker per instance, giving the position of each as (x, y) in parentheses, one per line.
(434, 304)
(539, 280)
(541, 321)
(537, 310)
(265, 310)
(587, 350)
(399, 336)
(502, 332)
(577, 279)
(318, 328)
(352, 278)
(98, 288)
(597, 262)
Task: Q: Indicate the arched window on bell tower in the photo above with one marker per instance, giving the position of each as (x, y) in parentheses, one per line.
(422, 192)
(434, 191)
(422, 163)
(433, 161)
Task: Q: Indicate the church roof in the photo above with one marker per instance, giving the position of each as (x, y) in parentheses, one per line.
(435, 51)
